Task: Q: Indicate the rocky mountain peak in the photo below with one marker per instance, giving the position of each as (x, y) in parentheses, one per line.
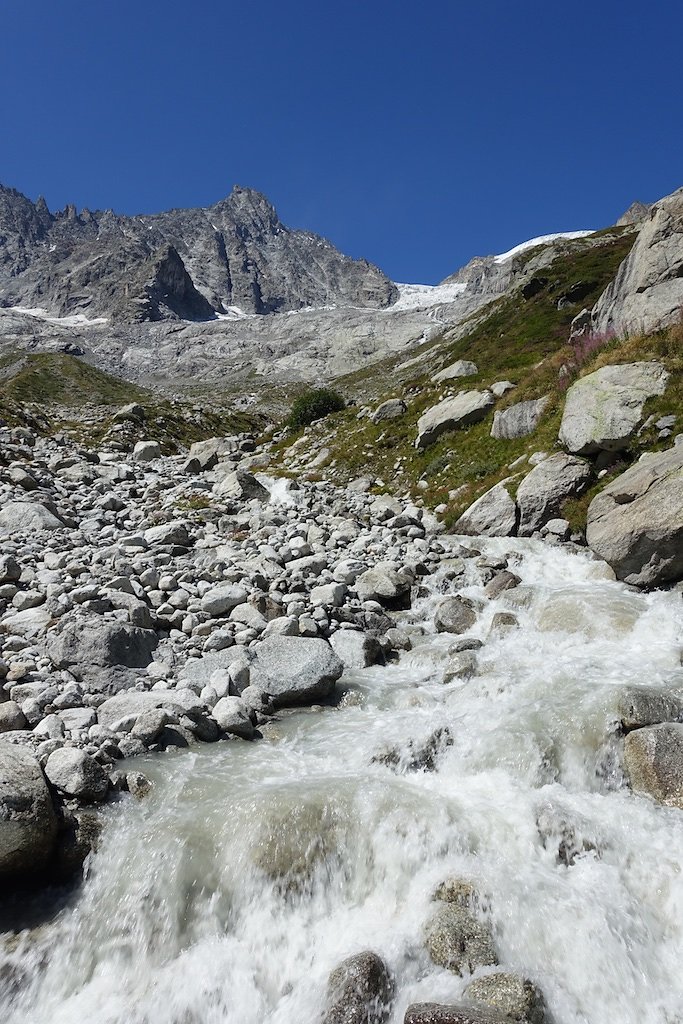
(236, 253)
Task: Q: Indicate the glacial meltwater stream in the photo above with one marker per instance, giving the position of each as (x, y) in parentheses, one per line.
(231, 891)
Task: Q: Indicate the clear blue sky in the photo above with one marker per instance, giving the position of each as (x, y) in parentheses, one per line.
(416, 135)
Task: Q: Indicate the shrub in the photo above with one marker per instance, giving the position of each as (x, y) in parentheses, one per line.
(313, 405)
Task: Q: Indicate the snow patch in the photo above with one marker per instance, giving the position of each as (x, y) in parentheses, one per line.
(75, 320)
(540, 240)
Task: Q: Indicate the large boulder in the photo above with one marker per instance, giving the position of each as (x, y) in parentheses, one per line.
(360, 991)
(222, 599)
(636, 523)
(236, 483)
(28, 822)
(653, 758)
(468, 407)
(388, 583)
(77, 774)
(494, 514)
(454, 615)
(295, 670)
(389, 410)
(355, 648)
(29, 517)
(543, 491)
(92, 643)
(603, 409)
(460, 368)
(647, 705)
(647, 292)
(518, 420)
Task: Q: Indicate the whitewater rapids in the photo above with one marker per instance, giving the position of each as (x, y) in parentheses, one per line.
(229, 894)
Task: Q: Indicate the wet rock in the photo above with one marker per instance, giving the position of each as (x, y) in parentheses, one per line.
(461, 665)
(603, 409)
(417, 755)
(77, 774)
(653, 758)
(232, 716)
(459, 891)
(138, 785)
(295, 840)
(457, 940)
(636, 523)
(356, 649)
(502, 622)
(454, 615)
(568, 835)
(466, 408)
(644, 705)
(360, 991)
(28, 822)
(455, 1013)
(518, 420)
(542, 492)
(78, 838)
(295, 670)
(516, 998)
(504, 580)
(387, 583)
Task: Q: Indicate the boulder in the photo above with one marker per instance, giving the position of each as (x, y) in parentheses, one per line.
(359, 991)
(494, 514)
(77, 774)
(460, 368)
(221, 600)
(466, 408)
(389, 410)
(543, 491)
(454, 615)
(28, 517)
(295, 670)
(240, 485)
(518, 420)
(647, 292)
(174, 532)
(603, 409)
(128, 706)
(452, 1013)
(636, 523)
(644, 705)
(28, 822)
(356, 649)
(457, 940)
(12, 717)
(388, 583)
(147, 451)
(233, 718)
(96, 643)
(515, 997)
(653, 758)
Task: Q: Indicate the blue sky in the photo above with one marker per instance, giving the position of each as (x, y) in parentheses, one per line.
(416, 135)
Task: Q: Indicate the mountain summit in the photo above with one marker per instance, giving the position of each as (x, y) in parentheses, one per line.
(187, 264)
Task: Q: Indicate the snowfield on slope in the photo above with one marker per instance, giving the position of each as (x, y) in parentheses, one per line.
(540, 240)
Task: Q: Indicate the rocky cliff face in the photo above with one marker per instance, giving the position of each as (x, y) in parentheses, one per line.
(199, 262)
(647, 293)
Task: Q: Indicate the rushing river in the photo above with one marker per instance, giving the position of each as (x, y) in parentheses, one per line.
(251, 870)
